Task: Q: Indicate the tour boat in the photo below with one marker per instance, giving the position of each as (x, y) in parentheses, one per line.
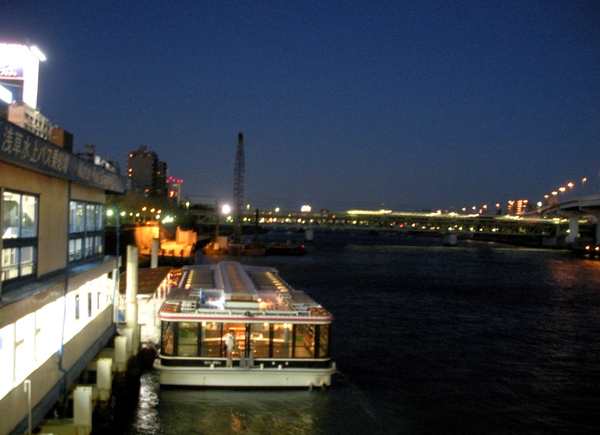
(281, 335)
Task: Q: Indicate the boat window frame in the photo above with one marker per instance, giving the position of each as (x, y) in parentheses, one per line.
(319, 344)
(202, 342)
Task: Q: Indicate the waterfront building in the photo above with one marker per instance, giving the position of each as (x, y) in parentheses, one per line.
(58, 288)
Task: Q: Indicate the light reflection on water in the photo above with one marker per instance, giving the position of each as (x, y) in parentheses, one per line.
(170, 411)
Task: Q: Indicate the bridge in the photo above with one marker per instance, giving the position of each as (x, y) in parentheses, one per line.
(558, 225)
(583, 208)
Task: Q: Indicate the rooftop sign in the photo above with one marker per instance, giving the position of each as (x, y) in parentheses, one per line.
(20, 65)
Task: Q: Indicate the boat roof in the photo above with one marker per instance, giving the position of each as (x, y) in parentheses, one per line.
(231, 291)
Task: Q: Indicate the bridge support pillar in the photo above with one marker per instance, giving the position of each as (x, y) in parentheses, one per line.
(597, 233)
(573, 230)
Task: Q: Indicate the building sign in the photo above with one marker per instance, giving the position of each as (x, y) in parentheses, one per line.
(8, 71)
(24, 149)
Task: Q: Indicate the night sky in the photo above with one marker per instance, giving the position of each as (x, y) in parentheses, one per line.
(343, 104)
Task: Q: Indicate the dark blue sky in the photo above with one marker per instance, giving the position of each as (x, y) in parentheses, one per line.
(428, 104)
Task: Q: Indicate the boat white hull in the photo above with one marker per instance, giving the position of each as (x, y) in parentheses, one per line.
(244, 377)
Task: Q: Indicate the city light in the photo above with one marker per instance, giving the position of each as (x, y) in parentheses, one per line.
(369, 212)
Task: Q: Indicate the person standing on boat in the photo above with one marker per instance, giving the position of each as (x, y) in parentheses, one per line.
(229, 346)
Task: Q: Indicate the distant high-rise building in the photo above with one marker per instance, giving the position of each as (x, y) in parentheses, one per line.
(160, 179)
(30, 119)
(147, 174)
(518, 206)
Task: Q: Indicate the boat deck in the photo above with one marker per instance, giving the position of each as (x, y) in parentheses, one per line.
(230, 286)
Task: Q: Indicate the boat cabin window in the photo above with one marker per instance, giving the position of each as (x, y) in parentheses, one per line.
(187, 339)
(260, 334)
(264, 340)
(168, 338)
(323, 343)
(211, 339)
(311, 341)
(282, 340)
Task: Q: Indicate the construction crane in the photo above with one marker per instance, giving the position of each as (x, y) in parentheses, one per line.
(238, 189)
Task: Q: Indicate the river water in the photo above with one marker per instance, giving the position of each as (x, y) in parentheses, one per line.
(474, 339)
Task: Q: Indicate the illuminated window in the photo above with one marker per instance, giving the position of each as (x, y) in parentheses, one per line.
(86, 230)
(211, 334)
(260, 339)
(168, 338)
(282, 340)
(305, 338)
(187, 339)
(19, 234)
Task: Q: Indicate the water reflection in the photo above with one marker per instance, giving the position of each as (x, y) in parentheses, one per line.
(199, 411)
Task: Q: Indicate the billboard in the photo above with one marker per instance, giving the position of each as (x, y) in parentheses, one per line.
(19, 71)
(21, 148)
